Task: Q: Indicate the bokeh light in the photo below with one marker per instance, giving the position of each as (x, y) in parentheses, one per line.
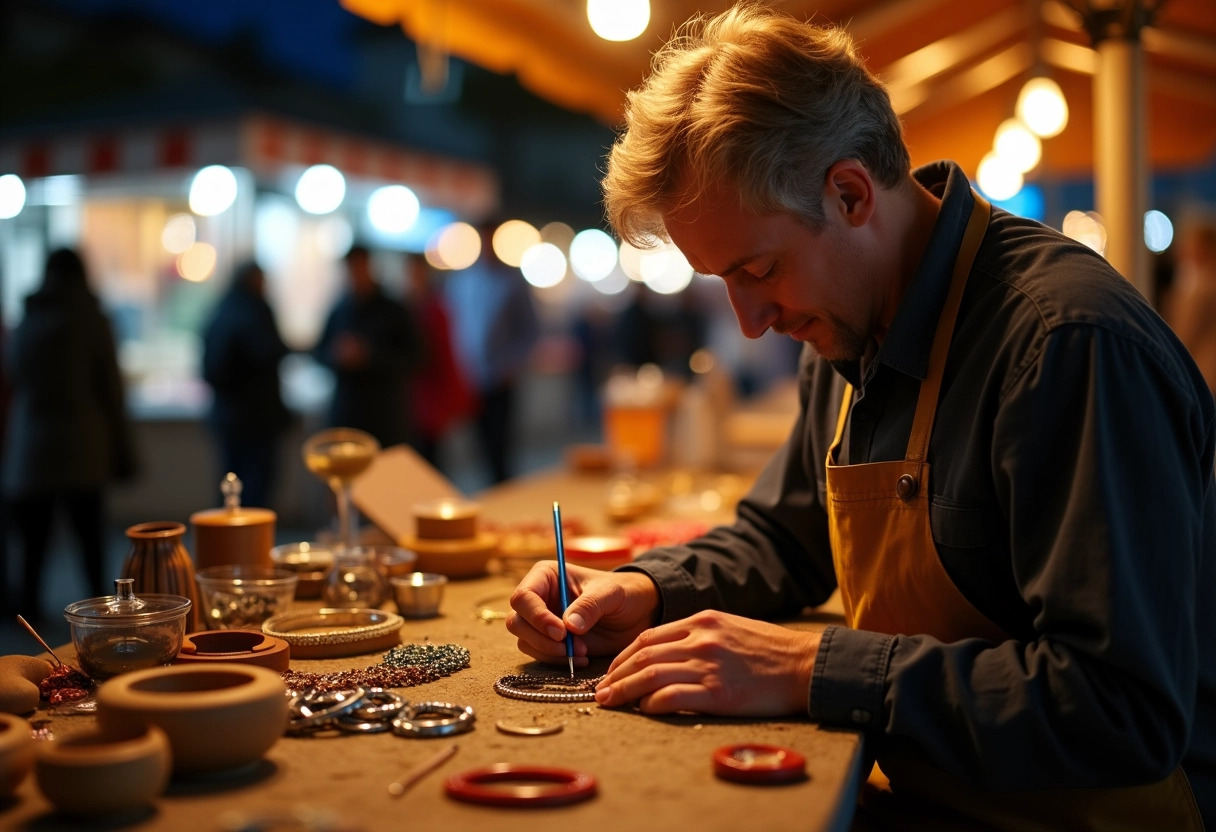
(1086, 227)
(512, 239)
(618, 20)
(393, 209)
(1019, 147)
(543, 265)
(1158, 231)
(197, 263)
(592, 254)
(212, 191)
(456, 246)
(320, 189)
(12, 195)
(1042, 107)
(179, 233)
(996, 178)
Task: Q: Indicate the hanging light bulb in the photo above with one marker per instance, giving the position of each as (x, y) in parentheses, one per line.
(997, 178)
(1019, 147)
(1042, 107)
(618, 19)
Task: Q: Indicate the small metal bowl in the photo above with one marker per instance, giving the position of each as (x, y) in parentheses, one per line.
(418, 594)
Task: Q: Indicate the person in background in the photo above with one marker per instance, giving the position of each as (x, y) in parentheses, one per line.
(496, 328)
(68, 434)
(440, 395)
(242, 349)
(371, 344)
(1191, 303)
(1002, 460)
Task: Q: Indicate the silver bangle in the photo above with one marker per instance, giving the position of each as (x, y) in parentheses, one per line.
(433, 719)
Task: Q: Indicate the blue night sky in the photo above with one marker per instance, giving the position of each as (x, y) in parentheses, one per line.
(309, 38)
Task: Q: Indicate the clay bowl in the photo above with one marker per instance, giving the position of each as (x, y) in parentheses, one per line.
(216, 717)
(105, 772)
(16, 752)
(456, 558)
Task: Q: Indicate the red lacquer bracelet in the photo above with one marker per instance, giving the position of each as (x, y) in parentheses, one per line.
(757, 763)
(506, 784)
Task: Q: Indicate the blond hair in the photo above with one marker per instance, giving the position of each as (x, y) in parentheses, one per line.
(759, 99)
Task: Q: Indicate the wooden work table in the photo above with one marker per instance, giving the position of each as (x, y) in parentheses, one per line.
(652, 772)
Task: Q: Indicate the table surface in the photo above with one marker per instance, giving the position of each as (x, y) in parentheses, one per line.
(652, 772)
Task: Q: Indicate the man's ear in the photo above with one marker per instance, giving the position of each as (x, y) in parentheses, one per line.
(849, 192)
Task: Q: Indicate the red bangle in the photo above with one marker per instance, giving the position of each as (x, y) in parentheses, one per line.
(757, 763)
(567, 786)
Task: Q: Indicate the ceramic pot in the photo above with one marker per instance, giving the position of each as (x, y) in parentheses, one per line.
(16, 752)
(159, 563)
(217, 717)
(237, 536)
(104, 772)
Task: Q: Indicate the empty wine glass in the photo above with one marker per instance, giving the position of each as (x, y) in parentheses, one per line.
(338, 456)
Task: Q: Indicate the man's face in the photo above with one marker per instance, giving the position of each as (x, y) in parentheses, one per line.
(779, 274)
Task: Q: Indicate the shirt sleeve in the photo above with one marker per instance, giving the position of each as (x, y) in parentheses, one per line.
(1102, 460)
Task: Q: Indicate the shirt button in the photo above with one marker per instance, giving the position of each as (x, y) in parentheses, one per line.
(861, 413)
(860, 715)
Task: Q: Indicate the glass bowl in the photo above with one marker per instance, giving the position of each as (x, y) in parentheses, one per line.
(115, 634)
(242, 597)
(310, 561)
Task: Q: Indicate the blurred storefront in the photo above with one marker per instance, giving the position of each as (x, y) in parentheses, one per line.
(161, 239)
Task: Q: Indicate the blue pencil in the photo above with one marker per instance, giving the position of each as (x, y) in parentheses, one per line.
(561, 576)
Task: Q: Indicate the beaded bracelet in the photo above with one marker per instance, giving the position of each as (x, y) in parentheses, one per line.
(535, 688)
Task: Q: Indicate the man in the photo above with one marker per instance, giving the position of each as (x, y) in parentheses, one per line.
(1003, 460)
(370, 341)
(242, 349)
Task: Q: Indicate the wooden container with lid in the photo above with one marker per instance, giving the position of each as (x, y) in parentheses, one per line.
(234, 534)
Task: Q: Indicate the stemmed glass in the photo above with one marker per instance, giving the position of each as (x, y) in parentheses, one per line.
(337, 456)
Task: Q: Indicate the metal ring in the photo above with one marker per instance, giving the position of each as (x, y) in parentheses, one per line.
(314, 708)
(453, 719)
(379, 705)
(541, 688)
(352, 725)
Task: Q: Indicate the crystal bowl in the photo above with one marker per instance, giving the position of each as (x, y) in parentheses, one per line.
(242, 597)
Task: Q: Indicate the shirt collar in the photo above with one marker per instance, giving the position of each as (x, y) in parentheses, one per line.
(909, 339)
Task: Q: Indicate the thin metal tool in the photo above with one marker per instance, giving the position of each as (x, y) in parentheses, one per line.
(30, 629)
(561, 576)
(400, 787)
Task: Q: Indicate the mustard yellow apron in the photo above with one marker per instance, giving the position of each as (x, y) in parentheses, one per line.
(892, 581)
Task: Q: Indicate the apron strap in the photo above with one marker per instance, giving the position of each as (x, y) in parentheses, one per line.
(926, 404)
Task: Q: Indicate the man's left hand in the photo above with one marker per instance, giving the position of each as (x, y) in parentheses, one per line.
(714, 663)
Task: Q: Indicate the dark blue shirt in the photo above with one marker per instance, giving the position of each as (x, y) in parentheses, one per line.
(1072, 503)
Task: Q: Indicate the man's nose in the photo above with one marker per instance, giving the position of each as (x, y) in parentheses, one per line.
(755, 314)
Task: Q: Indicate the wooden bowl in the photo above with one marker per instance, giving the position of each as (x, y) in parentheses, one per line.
(109, 771)
(16, 752)
(217, 717)
(459, 558)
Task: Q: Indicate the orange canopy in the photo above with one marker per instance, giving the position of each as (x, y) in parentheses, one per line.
(954, 67)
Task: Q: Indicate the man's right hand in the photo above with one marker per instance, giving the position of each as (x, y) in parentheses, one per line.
(607, 612)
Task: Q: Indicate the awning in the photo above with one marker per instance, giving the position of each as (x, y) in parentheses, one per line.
(262, 143)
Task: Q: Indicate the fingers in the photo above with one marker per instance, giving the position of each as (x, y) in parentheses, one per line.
(530, 602)
(648, 681)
